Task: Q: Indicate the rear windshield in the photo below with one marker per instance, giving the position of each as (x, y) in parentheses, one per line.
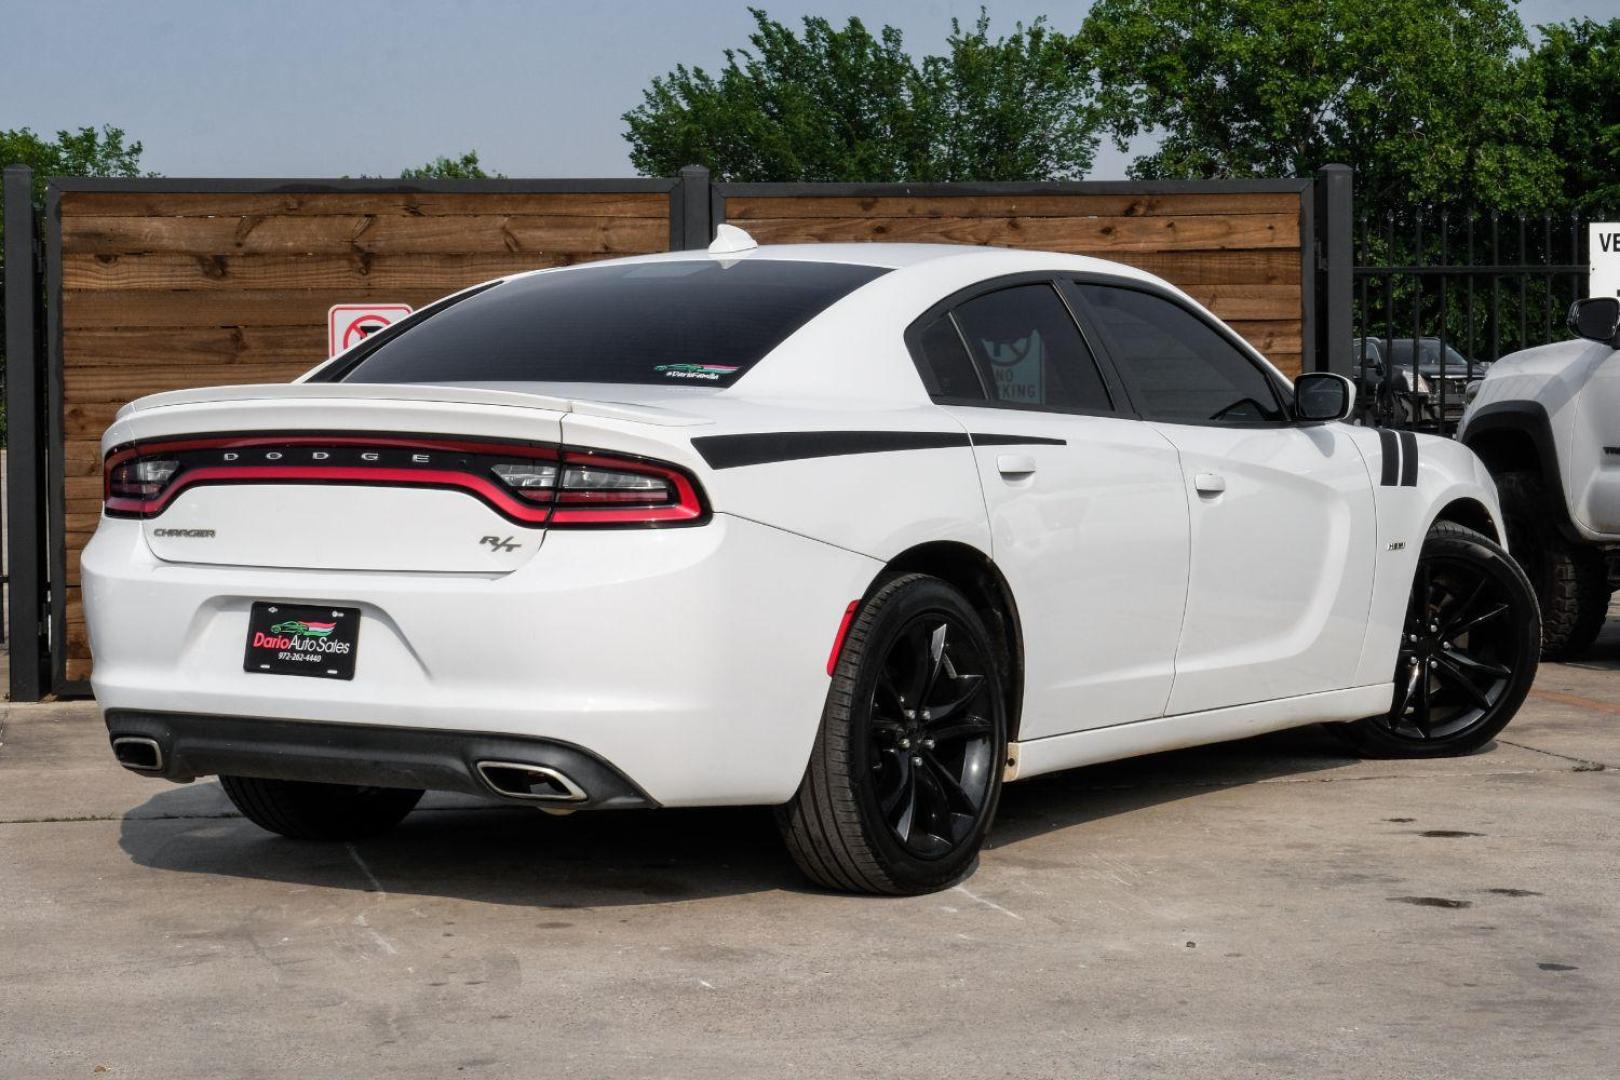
(700, 323)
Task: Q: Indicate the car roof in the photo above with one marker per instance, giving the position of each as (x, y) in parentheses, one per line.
(996, 260)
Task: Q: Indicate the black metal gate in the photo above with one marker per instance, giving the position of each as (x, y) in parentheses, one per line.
(1442, 293)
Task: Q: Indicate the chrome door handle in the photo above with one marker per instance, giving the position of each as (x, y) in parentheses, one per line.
(1208, 483)
(1015, 465)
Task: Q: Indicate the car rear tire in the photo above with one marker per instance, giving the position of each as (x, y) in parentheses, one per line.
(310, 811)
(1571, 580)
(1468, 652)
(906, 769)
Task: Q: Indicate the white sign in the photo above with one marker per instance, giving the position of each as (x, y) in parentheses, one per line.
(347, 325)
(1604, 237)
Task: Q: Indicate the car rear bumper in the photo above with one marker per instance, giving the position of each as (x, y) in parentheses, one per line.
(184, 746)
(692, 661)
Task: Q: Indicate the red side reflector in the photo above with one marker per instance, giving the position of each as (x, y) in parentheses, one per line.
(843, 629)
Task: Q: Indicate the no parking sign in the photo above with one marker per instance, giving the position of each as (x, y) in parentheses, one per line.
(349, 324)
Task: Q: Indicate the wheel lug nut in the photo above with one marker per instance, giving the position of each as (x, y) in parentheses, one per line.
(928, 744)
(905, 744)
(1411, 637)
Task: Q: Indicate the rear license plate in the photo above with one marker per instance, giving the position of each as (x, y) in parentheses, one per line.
(300, 639)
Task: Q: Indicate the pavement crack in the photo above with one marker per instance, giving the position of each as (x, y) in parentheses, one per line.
(1584, 764)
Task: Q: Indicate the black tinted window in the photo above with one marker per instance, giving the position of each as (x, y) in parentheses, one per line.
(1175, 365)
(943, 353)
(697, 323)
(1025, 339)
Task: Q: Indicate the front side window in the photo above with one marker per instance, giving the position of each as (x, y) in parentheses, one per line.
(1024, 339)
(678, 323)
(1176, 366)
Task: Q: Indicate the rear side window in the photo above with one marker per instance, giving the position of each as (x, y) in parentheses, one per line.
(1026, 342)
(1176, 366)
(678, 323)
(948, 360)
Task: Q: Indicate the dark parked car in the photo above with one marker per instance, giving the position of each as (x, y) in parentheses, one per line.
(1438, 393)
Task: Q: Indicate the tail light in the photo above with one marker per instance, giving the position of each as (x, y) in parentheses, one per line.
(531, 484)
(586, 488)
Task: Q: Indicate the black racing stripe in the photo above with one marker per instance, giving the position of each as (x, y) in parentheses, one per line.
(735, 451)
(1409, 459)
(981, 439)
(1391, 457)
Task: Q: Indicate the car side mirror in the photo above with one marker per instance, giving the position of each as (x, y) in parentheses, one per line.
(1322, 395)
(1596, 319)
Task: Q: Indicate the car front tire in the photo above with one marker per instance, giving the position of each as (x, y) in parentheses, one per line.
(906, 770)
(1468, 652)
(309, 811)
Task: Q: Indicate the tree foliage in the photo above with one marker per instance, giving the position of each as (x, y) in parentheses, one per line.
(83, 152)
(1427, 100)
(842, 104)
(1578, 64)
(465, 167)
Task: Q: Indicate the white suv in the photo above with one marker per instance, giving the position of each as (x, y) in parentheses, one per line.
(1546, 422)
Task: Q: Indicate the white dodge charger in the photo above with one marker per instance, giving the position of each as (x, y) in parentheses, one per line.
(859, 531)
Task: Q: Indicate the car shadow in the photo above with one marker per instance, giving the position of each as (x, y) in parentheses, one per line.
(459, 848)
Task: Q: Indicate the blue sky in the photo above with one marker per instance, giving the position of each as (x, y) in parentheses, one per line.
(297, 88)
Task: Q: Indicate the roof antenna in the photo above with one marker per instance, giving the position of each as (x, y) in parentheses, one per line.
(730, 240)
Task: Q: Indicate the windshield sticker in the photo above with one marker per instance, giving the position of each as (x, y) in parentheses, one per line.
(695, 371)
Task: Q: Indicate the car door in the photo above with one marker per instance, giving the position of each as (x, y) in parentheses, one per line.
(1086, 506)
(1281, 512)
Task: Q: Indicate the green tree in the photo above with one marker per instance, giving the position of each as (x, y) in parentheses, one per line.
(465, 167)
(842, 104)
(1578, 64)
(1429, 99)
(84, 152)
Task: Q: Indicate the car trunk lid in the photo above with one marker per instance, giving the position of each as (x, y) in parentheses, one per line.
(351, 477)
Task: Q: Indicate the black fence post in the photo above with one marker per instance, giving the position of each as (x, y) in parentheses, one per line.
(692, 206)
(25, 519)
(1335, 237)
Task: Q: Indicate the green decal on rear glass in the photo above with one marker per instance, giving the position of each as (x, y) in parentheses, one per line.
(695, 371)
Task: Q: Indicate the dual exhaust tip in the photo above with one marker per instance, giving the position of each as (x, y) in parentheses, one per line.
(513, 779)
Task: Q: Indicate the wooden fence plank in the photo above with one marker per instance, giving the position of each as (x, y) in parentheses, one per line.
(740, 210)
(1216, 267)
(121, 386)
(342, 234)
(160, 272)
(199, 346)
(1083, 235)
(329, 203)
(98, 309)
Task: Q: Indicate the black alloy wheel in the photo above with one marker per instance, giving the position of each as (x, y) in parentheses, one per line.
(931, 744)
(1468, 651)
(906, 769)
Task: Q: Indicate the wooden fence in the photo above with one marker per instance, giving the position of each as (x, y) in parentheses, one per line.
(1236, 251)
(162, 284)
(162, 290)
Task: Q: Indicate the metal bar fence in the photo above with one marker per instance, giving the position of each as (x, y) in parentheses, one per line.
(1422, 333)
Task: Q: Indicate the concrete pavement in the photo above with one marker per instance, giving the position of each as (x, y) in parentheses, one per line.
(1266, 907)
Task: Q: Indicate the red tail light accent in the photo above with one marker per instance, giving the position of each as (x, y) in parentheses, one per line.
(843, 631)
(530, 484)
